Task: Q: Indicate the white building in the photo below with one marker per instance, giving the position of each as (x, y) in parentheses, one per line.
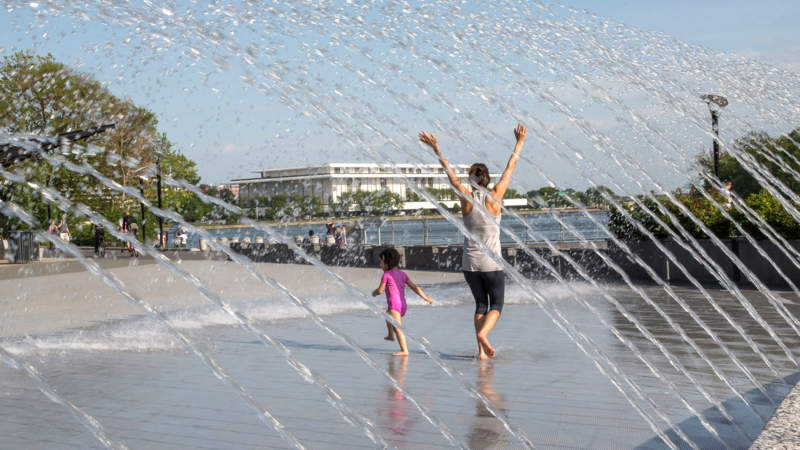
(329, 181)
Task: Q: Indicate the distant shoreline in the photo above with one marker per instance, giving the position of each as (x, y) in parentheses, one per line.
(388, 219)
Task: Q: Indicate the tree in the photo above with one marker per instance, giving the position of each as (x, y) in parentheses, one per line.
(513, 193)
(778, 156)
(595, 198)
(550, 197)
(769, 152)
(377, 202)
(768, 207)
(39, 95)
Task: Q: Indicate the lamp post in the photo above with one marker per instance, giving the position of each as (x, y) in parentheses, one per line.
(49, 212)
(715, 104)
(142, 179)
(141, 205)
(161, 239)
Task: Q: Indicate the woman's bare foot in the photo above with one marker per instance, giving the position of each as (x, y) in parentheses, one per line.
(388, 338)
(481, 352)
(400, 354)
(486, 346)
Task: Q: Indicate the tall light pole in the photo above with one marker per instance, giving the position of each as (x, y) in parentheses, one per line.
(141, 205)
(161, 239)
(715, 104)
(142, 179)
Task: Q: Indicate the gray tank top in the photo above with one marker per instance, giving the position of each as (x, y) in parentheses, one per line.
(485, 227)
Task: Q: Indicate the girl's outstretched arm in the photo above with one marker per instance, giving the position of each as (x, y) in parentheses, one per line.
(419, 292)
(379, 290)
(430, 140)
(500, 188)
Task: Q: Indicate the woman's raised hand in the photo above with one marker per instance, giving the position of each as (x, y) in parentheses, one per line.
(520, 132)
(430, 140)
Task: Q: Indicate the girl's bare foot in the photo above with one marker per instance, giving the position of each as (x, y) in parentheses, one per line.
(486, 346)
(388, 338)
(400, 354)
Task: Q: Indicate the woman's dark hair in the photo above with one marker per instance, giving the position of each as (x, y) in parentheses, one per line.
(390, 257)
(481, 173)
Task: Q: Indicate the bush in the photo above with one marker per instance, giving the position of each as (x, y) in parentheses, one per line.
(702, 208)
(770, 209)
(624, 228)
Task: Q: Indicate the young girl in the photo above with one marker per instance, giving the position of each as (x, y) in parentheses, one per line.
(394, 282)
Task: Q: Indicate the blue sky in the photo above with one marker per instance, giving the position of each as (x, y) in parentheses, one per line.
(233, 118)
(766, 30)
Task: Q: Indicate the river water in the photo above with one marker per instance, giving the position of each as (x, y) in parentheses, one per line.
(536, 227)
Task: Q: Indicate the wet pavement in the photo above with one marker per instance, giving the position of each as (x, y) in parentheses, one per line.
(163, 396)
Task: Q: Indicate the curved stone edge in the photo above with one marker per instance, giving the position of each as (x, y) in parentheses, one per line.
(783, 429)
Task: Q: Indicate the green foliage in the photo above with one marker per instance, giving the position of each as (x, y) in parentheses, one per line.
(551, 197)
(439, 194)
(375, 203)
(443, 194)
(700, 207)
(774, 214)
(780, 156)
(595, 197)
(512, 193)
(762, 203)
(39, 95)
(81, 233)
(188, 205)
(706, 212)
(623, 225)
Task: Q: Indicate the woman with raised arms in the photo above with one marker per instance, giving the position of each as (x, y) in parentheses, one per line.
(482, 272)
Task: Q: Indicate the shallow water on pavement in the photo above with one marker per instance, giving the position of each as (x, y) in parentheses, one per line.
(149, 392)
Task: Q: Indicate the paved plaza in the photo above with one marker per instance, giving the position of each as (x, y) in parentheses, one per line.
(147, 390)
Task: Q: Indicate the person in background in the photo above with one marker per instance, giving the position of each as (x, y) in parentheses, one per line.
(309, 238)
(329, 234)
(728, 194)
(99, 239)
(53, 230)
(63, 229)
(124, 224)
(134, 228)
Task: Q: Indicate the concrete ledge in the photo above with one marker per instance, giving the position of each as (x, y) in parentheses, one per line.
(447, 258)
(745, 251)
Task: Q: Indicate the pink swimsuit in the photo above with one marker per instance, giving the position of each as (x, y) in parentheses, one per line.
(395, 290)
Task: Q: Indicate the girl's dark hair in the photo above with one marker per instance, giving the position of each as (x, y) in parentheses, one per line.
(390, 257)
(481, 172)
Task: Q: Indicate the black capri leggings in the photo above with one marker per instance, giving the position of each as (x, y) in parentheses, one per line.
(488, 288)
